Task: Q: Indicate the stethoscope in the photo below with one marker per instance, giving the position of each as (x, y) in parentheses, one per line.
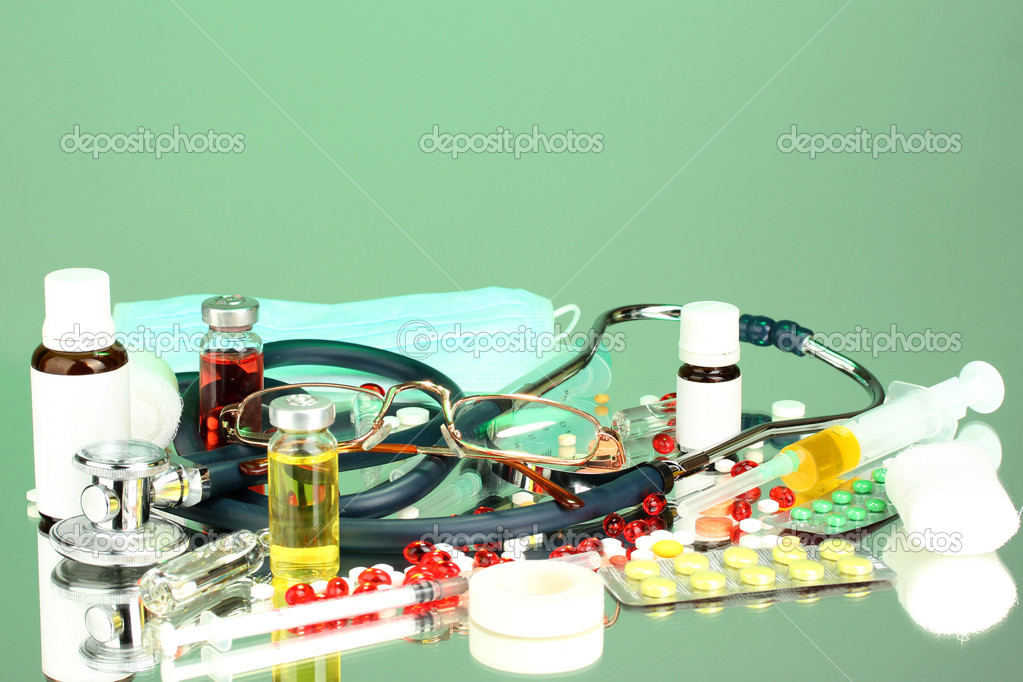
(230, 505)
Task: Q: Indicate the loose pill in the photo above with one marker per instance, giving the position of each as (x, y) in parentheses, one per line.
(724, 465)
(707, 581)
(767, 506)
(662, 534)
(757, 575)
(856, 514)
(685, 537)
(645, 542)
(713, 527)
(668, 549)
(638, 569)
(788, 550)
(833, 548)
(751, 525)
(601, 398)
(875, 505)
(658, 588)
(806, 569)
(855, 565)
(691, 562)
(737, 557)
(566, 439)
(751, 540)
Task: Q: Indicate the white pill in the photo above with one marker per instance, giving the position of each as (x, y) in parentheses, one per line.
(463, 562)
(649, 399)
(392, 421)
(408, 513)
(318, 586)
(522, 497)
(685, 537)
(644, 554)
(767, 506)
(645, 542)
(659, 535)
(353, 575)
(724, 465)
(768, 541)
(383, 567)
(751, 525)
(566, 439)
(750, 541)
(753, 455)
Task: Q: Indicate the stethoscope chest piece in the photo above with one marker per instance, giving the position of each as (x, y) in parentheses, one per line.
(116, 528)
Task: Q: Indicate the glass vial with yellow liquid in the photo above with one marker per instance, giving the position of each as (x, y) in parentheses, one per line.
(302, 489)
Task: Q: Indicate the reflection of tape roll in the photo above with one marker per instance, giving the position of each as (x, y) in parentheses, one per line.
(536, 617)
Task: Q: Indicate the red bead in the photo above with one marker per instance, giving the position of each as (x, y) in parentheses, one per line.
(735, 534)
(628, 552)
(783, 496)
(299, 594)
(418, 574)
(750, 496)
(367, 587)
(670, 407)
(563, 550)
(654, 504)
(416, 550)
(434, 557)
(445, 569)
(368, 618)
(634, 529)
(373, 387)
(741, 510)
(483, 510)
(336, 587)
(655, 523)
(663, 443)
(614, 524)
(484, 558)
(591, 545)
(374, 576)
(742, 467)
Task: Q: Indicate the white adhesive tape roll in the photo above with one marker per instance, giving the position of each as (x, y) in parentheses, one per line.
(535, 656)
(534, 599)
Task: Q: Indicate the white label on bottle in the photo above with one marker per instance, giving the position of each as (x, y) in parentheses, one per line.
(67, 413)
(706, 414)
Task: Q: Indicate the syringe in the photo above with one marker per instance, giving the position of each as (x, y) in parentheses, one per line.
(911, 414)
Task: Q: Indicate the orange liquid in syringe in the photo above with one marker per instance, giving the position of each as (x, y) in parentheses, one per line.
(823, 457)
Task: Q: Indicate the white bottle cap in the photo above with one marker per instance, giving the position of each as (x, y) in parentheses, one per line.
(787, 409)
(77, 310)
(709, 335)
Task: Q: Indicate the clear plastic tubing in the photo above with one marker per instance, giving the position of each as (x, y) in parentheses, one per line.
(223, 666)
(221, 631)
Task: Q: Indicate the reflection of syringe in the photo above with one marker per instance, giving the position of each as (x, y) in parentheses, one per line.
(446, 498)
(912, 414)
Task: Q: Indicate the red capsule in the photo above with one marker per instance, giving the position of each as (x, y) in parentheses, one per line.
(336, 587)
(655, 523)
(416, 550)
(628, 552)
(483, 510)
(563, 550)
(783, 496)
(435, 557)
(750, 496)
(299, 594)
(445, 569)
(375, 388)
(741, 510)
(418, 574)
(742, 467)
(591, 545)
(374, 576)
(735, 534)
(654, 504)
(367, 587)
(484, 558)
(663, 443)
(670, 407)
(614, 524)
(635, 529)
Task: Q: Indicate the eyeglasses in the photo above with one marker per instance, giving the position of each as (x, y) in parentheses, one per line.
(513, 428)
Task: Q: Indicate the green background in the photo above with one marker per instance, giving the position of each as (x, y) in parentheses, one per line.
(333, 200)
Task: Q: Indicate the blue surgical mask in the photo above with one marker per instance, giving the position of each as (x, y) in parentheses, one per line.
(484, 339)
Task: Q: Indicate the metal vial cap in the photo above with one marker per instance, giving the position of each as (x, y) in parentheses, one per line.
(230, 310)
(301, 412)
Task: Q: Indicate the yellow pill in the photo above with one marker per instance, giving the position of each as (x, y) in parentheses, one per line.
(667, 549)
(833, 548)
(855, 565)
(737, 557)
(601, 398)
(641, 568)
(806, 569)
(691, 562)
(757, 575)
(658, 588)
(788, 550)
(600, 410)
(707, 581)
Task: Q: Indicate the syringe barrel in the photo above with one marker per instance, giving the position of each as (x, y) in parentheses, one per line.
(781, 465)
(913, 416)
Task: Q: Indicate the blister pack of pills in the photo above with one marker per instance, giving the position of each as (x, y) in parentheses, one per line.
(787, 572)
(857, 503)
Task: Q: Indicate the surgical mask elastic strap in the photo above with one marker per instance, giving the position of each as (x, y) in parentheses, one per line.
(570, 308)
